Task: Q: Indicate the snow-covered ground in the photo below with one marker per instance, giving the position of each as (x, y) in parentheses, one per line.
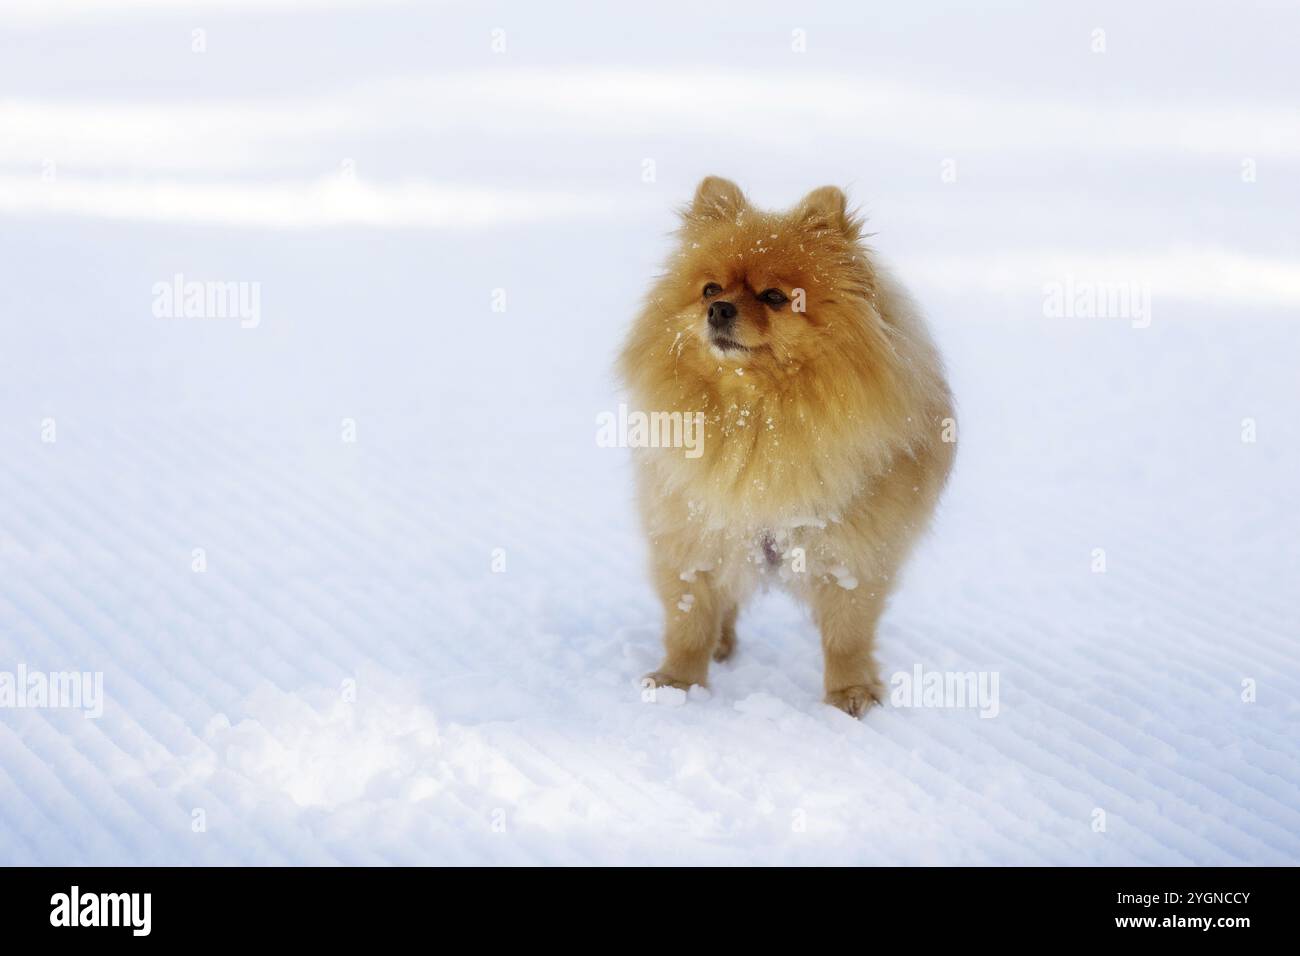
(362, 586)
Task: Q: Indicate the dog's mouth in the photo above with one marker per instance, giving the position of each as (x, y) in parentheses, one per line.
(724, 344)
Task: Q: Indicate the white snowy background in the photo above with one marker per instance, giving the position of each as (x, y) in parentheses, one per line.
(379, 170)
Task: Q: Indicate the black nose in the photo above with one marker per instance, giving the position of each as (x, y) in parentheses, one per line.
(721, 314)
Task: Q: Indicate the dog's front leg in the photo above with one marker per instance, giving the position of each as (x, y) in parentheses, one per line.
(693, 617)
(847, 620)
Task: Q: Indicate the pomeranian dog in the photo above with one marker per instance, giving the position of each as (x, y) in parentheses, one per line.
(828, 430)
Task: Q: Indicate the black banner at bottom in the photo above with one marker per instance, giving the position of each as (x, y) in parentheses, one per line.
(334, 906)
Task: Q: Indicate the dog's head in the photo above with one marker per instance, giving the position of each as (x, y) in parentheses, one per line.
(763, 287)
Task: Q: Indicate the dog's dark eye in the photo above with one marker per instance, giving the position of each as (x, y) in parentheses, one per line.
(773, 297)
(711, 290)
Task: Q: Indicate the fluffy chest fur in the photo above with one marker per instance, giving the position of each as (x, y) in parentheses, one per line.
(772, 455)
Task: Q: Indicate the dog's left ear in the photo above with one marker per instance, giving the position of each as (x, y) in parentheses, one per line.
(716, 198)
(827, 208)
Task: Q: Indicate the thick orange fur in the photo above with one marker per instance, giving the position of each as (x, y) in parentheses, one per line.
(828, 432)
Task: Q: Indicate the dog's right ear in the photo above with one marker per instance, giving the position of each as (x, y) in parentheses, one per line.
(716, 199)
(827, 208)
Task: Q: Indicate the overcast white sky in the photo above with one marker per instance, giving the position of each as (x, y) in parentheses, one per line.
(319, 113)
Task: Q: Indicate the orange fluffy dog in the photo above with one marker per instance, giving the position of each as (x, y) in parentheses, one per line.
(828, 430)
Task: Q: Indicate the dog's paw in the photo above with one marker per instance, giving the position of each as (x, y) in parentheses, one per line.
(856, 700)
(661, 679)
